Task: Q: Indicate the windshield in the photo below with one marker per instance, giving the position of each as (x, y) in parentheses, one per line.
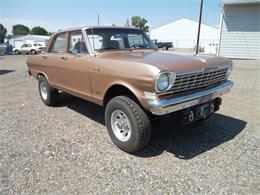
(102, 39)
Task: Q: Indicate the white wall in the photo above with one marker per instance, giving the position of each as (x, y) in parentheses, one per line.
(183, 33)
(16, 42)
(240, 37)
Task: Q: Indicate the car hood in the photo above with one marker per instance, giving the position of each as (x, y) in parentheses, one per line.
(165, 60)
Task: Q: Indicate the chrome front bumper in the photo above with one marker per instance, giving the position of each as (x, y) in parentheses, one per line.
(168, 105)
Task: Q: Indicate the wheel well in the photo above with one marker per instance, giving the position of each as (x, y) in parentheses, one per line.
(40, 74)
(117, 90)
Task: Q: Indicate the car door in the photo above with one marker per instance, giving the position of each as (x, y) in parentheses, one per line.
(23, 48)
(53, 61)
(77, 66)
(26, 49)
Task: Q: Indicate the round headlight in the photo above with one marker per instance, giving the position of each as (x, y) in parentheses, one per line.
(229, 70)
(164, 81)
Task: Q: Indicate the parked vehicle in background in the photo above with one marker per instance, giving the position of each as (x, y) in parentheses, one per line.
(122, 70)
(163, 45)
(29, 49)
(211, 48)
(2, 49)
(201, 49)
(8, 49)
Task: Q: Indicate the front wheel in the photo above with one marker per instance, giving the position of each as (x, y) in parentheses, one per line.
(47, 93)
(33, 52)
(128, 125)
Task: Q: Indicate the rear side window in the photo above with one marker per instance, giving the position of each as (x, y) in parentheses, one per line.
(59, 44)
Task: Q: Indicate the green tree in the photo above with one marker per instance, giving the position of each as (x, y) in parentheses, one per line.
(139, 22)
(37, 30)
(3, 32)
(9, 36)
(20, 29)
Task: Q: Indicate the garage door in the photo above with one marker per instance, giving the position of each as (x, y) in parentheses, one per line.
(41, 43)
(29, 41)
(18, 43)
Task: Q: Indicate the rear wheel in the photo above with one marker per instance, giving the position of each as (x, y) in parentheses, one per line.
(128, 125)
(48, 94)
(17, 52)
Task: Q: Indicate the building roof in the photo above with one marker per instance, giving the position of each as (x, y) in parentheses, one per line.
(229, 2)
(87, 27)
(31, 37)
(184, 28)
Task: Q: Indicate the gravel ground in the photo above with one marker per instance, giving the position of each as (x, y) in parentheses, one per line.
(66, 150)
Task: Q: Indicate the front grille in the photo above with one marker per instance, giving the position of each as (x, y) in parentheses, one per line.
(196, 80)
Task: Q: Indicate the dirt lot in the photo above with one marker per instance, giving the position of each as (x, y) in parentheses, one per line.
(66, 150)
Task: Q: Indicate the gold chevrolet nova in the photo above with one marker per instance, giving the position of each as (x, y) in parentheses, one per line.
(121, 69)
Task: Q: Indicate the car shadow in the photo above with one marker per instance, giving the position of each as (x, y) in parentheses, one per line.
(185, 142)
(5, 71)
(88, 109)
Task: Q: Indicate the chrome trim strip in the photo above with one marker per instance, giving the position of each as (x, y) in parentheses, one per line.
(201, 70)
(168, 105)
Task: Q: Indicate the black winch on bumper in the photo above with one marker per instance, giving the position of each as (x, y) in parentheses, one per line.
(199, 112)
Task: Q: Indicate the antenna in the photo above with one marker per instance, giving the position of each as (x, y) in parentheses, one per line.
(198, 37)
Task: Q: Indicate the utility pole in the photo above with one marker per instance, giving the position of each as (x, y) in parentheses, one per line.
(98, 19)
(198, 37)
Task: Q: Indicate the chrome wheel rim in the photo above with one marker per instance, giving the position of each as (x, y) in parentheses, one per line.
(43, 90)
(121, 125)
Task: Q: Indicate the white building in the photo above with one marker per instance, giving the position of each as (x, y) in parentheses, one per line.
(240, 29)
(183, 33)
(19, 41)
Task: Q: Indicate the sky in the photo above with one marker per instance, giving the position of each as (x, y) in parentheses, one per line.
(54, 15)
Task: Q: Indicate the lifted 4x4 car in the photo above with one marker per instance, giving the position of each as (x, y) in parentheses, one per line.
(122, 69)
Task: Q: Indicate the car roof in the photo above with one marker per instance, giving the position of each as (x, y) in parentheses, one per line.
(89, 27)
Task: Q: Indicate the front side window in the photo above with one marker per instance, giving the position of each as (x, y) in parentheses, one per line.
(59, 44)
(103, 39)
(76, 43)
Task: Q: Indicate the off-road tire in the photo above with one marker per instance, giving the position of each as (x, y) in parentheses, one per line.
(52, 93)
(139, 120)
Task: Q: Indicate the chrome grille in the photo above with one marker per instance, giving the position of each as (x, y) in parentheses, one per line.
(190, 81)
